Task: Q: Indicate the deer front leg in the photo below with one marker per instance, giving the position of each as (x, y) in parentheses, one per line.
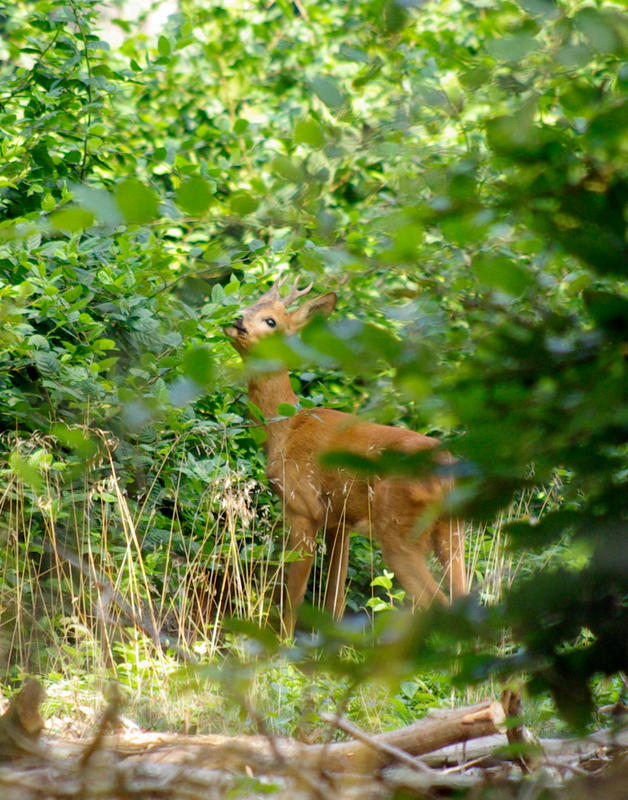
(338, 551)
(448, 542)
(303, 540)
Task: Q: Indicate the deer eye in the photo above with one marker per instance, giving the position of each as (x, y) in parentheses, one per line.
(270, 322)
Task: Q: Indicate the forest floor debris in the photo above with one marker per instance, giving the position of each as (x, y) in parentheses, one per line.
(447, 752)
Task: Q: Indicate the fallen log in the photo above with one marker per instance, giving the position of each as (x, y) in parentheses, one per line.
(21, 725)
(487, 748)
(258, 754)
(436, 730)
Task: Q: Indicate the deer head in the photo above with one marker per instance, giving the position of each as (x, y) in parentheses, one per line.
(270, 315)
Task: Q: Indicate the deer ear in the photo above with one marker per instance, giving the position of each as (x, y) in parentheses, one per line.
(324, 304)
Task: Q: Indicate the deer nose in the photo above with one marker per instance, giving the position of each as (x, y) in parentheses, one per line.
(237, 323)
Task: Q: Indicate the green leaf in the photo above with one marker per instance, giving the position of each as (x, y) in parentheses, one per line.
(288, 169)
(198, 364)
(25, 471)
(136, 201)
(241, 126)
(308, 131)
(602, 28)
(541, 8)
(377, 604)
(194, 196)
(502, 273)
(255, 411)
(163, 46)
(286, 410)
(243, 203)
(326, 90)
(47, 363)
(99, 201)
(72, 219)
(353, 54)
(106, 364)
(385, 580)
(395, 16)
(76, 439)
(512, 48)
(258, 435)
(104, 344)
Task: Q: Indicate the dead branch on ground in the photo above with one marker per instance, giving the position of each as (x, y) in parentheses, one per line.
(152, 765)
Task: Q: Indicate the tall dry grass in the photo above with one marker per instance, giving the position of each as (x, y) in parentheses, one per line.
(90, 592)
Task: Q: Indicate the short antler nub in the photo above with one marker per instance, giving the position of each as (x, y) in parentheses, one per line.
(295, 293)
(273, 293)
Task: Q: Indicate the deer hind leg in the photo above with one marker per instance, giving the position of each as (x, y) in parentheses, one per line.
(405, 555)
(448, 541)
(302, 540)
(338, 551)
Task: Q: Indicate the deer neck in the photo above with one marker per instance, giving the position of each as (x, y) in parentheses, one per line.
(268, 391)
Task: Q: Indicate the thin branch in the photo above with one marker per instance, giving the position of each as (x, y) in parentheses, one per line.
(30, 74)
(107, 721)
(557, 764)
(89, 87)
(381, 747)
(302, 10)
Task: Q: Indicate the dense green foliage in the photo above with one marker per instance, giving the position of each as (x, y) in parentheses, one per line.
(456, 171)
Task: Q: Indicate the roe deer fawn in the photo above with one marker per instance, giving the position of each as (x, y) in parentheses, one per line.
(337, 500)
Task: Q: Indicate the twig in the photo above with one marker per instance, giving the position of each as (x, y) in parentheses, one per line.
(557, 764)
(89, 87)
(381, 747)
(302, 10)
(465, 765)
(108, 720)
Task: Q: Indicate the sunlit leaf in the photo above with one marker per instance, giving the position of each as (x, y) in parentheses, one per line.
(286, 410)
(194, 196)
(308, 131)
(136, 201)
(72, 219)
(163, 46)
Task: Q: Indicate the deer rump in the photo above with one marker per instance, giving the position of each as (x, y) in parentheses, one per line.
(403, 515)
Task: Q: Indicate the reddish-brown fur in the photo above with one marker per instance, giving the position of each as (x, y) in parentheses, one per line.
(404, 516)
